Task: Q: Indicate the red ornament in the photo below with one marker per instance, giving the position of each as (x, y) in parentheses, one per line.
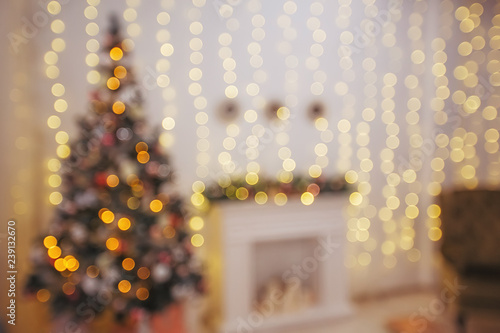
(100, 178)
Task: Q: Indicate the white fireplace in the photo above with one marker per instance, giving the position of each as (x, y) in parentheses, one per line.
(278, 266)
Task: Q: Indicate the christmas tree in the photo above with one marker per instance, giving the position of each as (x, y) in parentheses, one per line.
(118, 236)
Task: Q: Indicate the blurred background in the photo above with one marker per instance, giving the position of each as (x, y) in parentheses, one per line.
(397, 98)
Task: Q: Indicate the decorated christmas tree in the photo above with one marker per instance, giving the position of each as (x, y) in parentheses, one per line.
(118, 239)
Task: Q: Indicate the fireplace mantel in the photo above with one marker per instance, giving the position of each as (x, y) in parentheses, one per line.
(236, 228)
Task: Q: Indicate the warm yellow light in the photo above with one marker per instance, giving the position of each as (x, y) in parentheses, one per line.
(118, 107)
(124, 286)
(198, 186)
(116, 53)
(49, 241)
(141, 146)
(142, 294)
(197, 199)
(280, 199)
(54, 7)
(197, 240)
(43, 295)
(71, 263)
(54, 252)
(468, 172)
(59, 265)
(241, 193)
(315, 171)
(55, 198)
(288, 164)
(283, 113)
(355, 198)
(168, 123)
(411, 211)
(112, 243)
(54, 164)
(143, 273)
(435, 234)
(156, 205)
(54, 122)
(285, 177)
(124, 223)
(120, 72)
(107, 216)
(112, 180)
(307, 198)
(113, 83)
(252, 178)
(231, 91)
(128, 264)
(434, 211)
(143, 157)
(196, 223)
(92, 271)
(351, 176)
(261, 198)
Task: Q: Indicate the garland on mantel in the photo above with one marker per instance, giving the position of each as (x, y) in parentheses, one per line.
(240, 189)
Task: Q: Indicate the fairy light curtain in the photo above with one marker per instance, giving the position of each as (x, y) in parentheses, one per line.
(407, 92)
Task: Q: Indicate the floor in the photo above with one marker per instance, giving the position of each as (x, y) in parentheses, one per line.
(373, 316)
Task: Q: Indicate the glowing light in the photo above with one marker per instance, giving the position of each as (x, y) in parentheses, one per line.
(54, 180)
(280, 199)
(261, 198)
(107, 216)
(59, 265)
(196, 223)
(435, 234)
(120, 72)
(112, 243)
(113, 83)
(116, 53)
(142, 294)
(197, 240)
(197, 199)
(124, 223)
(124, 286)
(143, 157)
(434, 211)
(156, 205)
(92, 271)
(241, 193)
(55, 198)
(355, 198)
(128, 264)
(43, 295)
(54, 252)
(143, 273)
(49, 241)
(112, 180)
(307, 198)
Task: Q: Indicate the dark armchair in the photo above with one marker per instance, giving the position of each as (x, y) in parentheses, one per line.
(471, 245)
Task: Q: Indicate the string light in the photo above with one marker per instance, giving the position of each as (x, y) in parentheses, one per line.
(58, 90)
(163, 67)
(134, 30)
(200, 104)
(284, 112)
(321, 124)
(441, 140)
